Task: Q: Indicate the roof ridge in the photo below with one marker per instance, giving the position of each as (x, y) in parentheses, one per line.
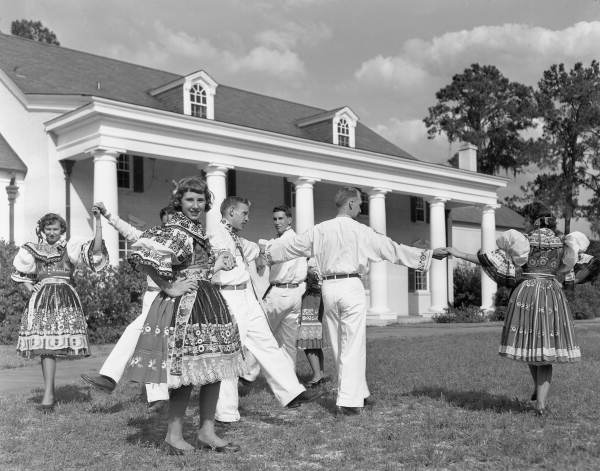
(79, 51)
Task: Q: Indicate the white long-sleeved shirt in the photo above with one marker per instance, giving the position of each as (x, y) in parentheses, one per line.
(221, 239)
(342, 245)
(132, 234)
(292, 271)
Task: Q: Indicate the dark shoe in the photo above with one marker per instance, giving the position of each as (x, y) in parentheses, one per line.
(229, 448)
(100, 382)
(347, 411)
(225, 424)
(304, 396)
(368, 402)
(46, 408)
(534, 396)
(314, 384)
(157, 406)
(173, 450)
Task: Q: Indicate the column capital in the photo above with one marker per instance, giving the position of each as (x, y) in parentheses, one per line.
(377, 192)
(215, 169)
(490, 208)
(304, 182)
(437, 201)
(105, 153)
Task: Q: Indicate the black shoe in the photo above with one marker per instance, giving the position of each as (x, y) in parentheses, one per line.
(157, 406)
(534, 396)
(347, 411)
(314, 384)
(368, 402)
(304, 396)
(225, 424)
(229, 448)
(100, 382)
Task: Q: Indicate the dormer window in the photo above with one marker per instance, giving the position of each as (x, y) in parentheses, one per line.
(198, 102)
(343, 131)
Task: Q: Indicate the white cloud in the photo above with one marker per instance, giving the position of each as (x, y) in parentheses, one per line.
(285, 64)
(293, 34)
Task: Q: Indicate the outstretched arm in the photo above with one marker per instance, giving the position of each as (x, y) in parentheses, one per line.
(97, 247)
(465, 256)
(131, 233)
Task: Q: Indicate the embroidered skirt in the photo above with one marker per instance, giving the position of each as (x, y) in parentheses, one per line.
(53, 322)
(187, 340)
(539, 328)
(310, 330)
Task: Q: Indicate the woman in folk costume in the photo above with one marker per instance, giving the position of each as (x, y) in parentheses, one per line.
(310, 329)
(538, 328)
(53, 323)
(189, 337)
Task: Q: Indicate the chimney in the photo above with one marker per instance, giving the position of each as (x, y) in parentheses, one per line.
(467, 157)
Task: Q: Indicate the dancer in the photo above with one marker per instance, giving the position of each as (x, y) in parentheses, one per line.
(236, 287)
(116, 362)
(310, 329)
(343, 249)
(53, 323)
(538, 328)
(283, 298)
(189, 337)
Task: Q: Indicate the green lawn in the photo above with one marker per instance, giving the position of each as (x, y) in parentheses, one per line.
(442, 402)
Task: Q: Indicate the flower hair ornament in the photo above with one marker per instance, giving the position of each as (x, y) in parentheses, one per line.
(546, 221)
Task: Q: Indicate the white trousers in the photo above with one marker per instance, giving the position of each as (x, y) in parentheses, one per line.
(116, 362)
(257, 338)
(345, 318)
(282, 306)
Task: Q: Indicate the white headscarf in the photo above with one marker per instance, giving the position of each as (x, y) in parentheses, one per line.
(515, 245)
(575, 242)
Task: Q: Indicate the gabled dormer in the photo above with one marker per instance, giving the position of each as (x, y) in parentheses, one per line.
(335, 126)
(193, 95)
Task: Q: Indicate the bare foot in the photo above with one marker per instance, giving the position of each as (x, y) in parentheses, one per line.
(179, 443)
(211, 439)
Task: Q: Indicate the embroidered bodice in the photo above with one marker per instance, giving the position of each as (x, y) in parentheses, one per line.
(51, 261)
(545, 253)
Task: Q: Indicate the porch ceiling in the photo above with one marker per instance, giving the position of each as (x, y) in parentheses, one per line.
(164, 135)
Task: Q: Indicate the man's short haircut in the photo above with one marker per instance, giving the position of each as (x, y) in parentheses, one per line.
(284, 208)
(166, 210)
(344, 194)
(233, 201)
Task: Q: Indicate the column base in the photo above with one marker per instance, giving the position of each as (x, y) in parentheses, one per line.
(381, 316)
(435, 310)
(414, 319)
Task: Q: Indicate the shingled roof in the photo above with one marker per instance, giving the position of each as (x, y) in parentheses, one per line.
(505, 217)
(9, 160)
(39, 68)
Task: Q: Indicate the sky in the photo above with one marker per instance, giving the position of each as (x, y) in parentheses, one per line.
(385, 59)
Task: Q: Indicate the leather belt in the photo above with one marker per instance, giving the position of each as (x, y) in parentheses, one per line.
(233, 287)
(341, 276)
(285, 285)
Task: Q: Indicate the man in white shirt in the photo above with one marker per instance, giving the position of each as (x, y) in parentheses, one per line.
(283, 298)
(343, 249)
(256, 336)
(116, 362)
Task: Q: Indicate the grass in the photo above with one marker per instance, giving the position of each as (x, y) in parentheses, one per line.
(442, 402)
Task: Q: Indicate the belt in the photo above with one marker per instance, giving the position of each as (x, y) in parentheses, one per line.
(233, 287)
(285, 285)
(341, 276)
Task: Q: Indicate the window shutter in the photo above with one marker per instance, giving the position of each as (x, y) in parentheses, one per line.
(411, 280)
(287, 193)
(138, 174)
(413, 208)
(427, 213)
(231, 183)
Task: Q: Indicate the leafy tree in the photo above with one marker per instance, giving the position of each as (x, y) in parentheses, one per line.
(568, 153)
(33, 30)
(482, 107)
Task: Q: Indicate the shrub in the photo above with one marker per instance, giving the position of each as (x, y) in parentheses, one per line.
(467, 285)
(584, 301)
(110, 299)
(467, 314)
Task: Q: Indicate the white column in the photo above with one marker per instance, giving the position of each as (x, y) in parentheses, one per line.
(379, 312)
(488, 242)
(305, 207)
(438, 277)
(216, 179)
(105, 190)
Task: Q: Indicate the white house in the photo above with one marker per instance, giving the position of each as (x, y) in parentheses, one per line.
(77, 128)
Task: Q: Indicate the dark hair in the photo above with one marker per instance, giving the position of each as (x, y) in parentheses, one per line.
(232, 201)
(541, 216)
(284, 209)
(166, 210)
(195, 184)
(344, 194)
(46, 220)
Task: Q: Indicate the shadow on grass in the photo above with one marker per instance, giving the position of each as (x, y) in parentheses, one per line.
(151, 430)
(65, 394)
(473, 400)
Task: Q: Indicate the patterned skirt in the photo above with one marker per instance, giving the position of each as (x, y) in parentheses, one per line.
(53, 322)
(187, 340)
(310, 330)
(539, 328)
